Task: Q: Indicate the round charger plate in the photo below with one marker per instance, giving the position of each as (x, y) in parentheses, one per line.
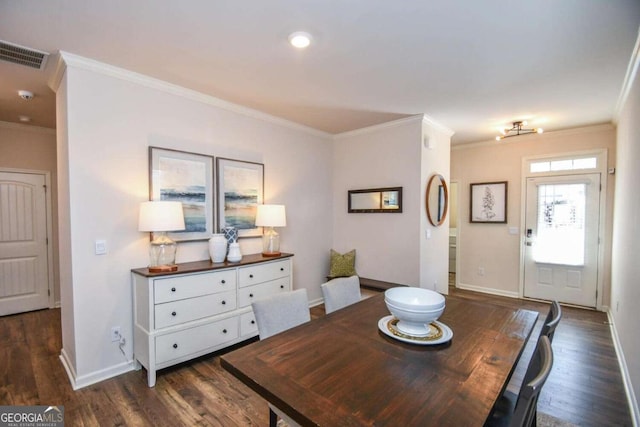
(387, 326)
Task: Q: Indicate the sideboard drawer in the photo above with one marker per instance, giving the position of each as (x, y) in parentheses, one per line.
(248, 294)
(176, 312)
(263, 272)
(248, 325)
(177, 288)
(188, 341)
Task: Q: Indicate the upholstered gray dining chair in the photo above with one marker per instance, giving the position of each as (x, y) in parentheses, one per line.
(521, 409)
(275, 314)
(340, 292)
(552, 320)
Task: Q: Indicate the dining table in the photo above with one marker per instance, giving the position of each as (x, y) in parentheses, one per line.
(344, 369)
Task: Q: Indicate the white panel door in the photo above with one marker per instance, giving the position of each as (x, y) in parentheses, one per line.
(561, 238)
(24, 279)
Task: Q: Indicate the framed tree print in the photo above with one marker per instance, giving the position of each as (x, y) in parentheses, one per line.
(188, 178)
(489, 202)
(240, 189)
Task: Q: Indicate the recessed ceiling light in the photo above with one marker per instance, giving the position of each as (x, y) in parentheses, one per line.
(24, 118)
(300, 39)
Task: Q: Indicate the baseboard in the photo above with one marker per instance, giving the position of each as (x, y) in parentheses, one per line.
(94, 377)
(624, 370)
(490, 291)
(68, 367)
(316, 302)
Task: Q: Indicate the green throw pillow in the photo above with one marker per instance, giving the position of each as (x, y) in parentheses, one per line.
(342, 265)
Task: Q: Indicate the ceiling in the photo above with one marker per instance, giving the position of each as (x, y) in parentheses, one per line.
(470, 65)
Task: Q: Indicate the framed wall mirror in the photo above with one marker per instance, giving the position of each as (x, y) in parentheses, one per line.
(437, 200)
(375, 200)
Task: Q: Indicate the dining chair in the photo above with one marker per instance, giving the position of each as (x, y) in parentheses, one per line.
(552, 320)
(521, 409)
(340, 292)
(275, 314)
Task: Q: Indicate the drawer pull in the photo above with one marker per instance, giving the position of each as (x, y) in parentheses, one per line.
(175, 346)
(173, 313)
(253, 322)
(281, 286)
(251, 276)
(224, 331)
(281, 268)
(223, 281)
(250, 295)
(223, 302)
(173, 289)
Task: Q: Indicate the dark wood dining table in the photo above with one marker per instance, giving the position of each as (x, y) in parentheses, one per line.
(341, 370)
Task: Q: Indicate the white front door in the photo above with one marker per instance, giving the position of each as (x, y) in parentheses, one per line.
(561, 238)
(24, 280)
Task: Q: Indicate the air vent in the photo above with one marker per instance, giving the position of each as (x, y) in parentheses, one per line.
(23, 55)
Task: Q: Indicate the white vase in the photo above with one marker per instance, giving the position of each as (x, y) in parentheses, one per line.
(234, 253)
(217, 247)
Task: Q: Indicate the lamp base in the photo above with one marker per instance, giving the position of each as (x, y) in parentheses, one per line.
(268, 254)
(163, 268)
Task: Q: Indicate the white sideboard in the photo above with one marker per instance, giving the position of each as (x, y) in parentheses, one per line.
(200, 308)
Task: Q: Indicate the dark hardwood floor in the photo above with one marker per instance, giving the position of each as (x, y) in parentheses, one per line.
(585, 386)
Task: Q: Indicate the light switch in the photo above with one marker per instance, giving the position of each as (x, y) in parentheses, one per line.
(514, 231)
(101, 247)
(427, 233)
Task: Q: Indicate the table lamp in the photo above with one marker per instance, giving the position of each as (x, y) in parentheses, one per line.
(159, 217)
(271, 216)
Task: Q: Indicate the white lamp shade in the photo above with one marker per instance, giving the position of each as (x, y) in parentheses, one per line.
(271, 216)
(161, 216)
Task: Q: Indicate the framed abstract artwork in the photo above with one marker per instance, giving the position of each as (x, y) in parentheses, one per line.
(188, 178)
(489, 202)
(240, 189)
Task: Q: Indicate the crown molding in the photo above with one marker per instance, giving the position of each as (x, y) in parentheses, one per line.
(423, 118)
(632, 70)
(56, 72)
(602, 127)
(377, 128)
(66, 59)
(27, 128)
(429, 121)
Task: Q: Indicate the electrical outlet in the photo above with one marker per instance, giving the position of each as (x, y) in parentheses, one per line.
(480, 271)
(115, 334)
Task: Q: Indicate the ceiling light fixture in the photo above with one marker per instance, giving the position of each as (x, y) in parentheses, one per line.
(300, 39)
(516, 130)
(24, 119)
(27, 95)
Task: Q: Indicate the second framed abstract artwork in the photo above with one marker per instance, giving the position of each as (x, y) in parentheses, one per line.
(188, 178)
(240, 190)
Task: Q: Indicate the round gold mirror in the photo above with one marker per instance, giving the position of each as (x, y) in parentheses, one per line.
(437, 200)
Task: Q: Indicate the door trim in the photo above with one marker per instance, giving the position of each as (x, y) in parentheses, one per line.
(602, 157)
(457, 206)
(49, 221)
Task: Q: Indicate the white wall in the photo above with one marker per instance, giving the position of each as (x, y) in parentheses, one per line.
(490, 246)
(68, 355)
(434, 247)
(107, 119)
(391, 246)
(625, 269)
